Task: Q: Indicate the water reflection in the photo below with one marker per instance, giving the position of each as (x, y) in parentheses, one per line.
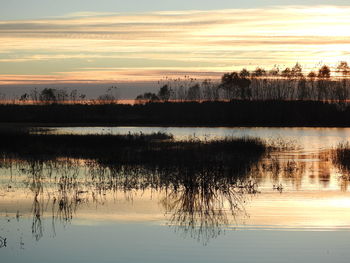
(201, 211)
(288, 189)
(2, 242)
(197, 200)
(309, 139)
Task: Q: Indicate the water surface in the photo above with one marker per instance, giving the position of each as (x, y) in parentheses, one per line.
(73, 211)
(309, 138)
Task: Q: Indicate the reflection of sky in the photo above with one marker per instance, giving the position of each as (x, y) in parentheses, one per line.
(137, 47)
(310, 216)
(158, 244)
(318, 209)
(313, 192)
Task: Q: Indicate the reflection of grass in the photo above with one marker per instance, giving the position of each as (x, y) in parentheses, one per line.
(203, 180)
(341, 156)
(199, 202)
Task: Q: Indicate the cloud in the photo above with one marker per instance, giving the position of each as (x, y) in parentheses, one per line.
(188, 41)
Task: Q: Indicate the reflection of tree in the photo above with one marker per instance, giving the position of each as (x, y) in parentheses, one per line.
(3, 242)
(34, 182)
(201, 210)
(200, 198)
(66, 196)
(37, 227)
(206, 183)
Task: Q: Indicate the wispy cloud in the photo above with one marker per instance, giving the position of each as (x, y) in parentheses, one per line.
(176, 42)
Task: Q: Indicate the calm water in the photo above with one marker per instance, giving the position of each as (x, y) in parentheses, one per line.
(71, 211)
(309, 138)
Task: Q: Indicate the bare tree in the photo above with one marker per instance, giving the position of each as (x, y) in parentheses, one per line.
(323, 76)
(147, 97)
(194, 93)
(342, 91)
(34, 95)
(110, 97)
(48, 95)
(164, 93)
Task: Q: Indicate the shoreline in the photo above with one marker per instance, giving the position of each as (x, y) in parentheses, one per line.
(131, 125)
(188, 114)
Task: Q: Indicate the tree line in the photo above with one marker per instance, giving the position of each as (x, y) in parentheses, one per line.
(289, 84)
(260, 84)
(62, 96)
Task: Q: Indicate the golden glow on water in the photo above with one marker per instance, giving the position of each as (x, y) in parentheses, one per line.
(296, 209)
(301, 210)
(305, 202)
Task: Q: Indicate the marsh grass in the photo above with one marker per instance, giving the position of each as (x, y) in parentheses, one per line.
(134, 149)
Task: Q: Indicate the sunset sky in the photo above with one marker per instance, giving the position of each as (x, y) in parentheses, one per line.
(109, 41)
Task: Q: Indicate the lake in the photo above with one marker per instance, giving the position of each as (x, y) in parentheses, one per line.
(292, 206)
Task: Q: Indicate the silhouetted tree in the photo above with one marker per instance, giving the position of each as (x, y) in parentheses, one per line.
(194, 93)
(324, 72)
(61, 95)
(303, 92)
(48, 95)
(245, 91)
(259, 72)
(274, 72)
(286, 73)
(244, 73)
(229, 84)
(311, 77)
(297, 71)
(164, 93)
(73, 96)
(236, 86)
(146, 98)
(106, 98)
(181, 93)
(342, 92)
(24, 97)
(324, 75)
(288, 84)
(111, 96)
(343, 68)
(209, 90)
(34, 95)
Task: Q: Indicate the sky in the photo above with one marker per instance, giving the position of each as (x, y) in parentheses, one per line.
(29, 9)
(86, 42)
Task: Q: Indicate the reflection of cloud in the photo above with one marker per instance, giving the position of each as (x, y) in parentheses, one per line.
(219, 39)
